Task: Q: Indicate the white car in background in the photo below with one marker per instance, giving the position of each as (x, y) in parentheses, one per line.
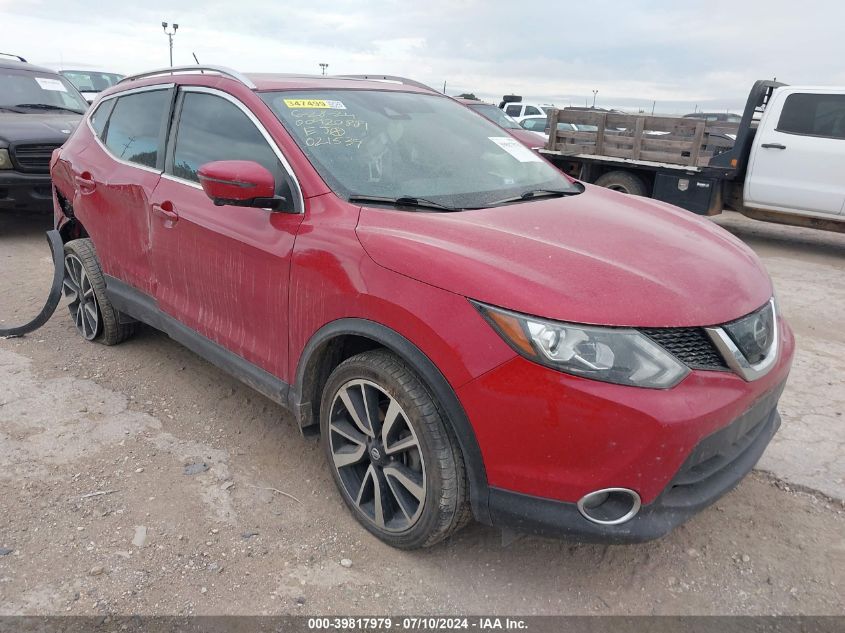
(89, 80)
(519, 110)
(539, 125)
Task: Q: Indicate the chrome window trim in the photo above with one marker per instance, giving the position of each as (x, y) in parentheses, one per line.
(103, 145)
(736, 359)
(273, 146)
(181, 181)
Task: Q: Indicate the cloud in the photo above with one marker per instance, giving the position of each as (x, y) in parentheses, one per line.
(633, 53)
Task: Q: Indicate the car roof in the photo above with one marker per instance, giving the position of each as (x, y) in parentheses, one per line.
(15, 65)
(284, 81)
(471, 102)
(215, 76)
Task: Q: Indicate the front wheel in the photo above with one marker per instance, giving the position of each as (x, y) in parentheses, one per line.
(392, 456)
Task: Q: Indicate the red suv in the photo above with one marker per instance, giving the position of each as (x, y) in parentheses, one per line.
(472, 333)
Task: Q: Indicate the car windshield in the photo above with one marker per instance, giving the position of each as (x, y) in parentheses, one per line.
(497, 115)
(91, 81)
(35, 92)
(373, 143)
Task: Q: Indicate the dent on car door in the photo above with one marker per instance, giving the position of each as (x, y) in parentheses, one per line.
(223, 270)
(115, 178)
(798, 161)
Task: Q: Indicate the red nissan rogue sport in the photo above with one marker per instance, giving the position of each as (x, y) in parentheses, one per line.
(471, 332)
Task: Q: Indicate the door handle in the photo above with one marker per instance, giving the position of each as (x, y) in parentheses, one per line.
(773, 146)
(166, 211)
(85, 182)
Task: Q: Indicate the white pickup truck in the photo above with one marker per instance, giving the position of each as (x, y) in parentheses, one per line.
(784, 162)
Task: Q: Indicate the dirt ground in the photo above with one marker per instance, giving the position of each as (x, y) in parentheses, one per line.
(157, 538)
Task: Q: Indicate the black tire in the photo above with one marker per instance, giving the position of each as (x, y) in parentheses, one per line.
(622, 181)
(109, 330)
(446, 497)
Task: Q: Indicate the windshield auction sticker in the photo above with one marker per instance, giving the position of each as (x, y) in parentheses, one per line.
(324, 104)
(50, 84)
(515, 149)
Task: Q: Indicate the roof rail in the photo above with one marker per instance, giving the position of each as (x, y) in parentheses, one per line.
(395, 78)
(18, 57)
(172, 70)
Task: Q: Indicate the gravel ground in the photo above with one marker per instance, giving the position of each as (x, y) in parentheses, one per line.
(141, 479)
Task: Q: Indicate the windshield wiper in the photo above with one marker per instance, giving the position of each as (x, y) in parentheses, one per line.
(538, 193)
(47, 106)
(403, 201)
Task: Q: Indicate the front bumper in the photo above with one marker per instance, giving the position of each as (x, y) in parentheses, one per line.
(25, 192)
(717, 465)
(549, 438)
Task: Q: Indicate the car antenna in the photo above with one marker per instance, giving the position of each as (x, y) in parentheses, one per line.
(197, 61)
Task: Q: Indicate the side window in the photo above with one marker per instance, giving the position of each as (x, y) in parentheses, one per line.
(212, 128)
(814, 115)
(134, 127)
(529, 110)
(101, 115)
(513, 110)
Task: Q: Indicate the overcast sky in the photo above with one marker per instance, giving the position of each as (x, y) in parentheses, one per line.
(681, 54)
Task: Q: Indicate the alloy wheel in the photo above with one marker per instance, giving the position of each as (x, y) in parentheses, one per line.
(82, 300)
(377, 455)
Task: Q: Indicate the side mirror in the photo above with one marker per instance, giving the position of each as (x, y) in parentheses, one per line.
(240, 183)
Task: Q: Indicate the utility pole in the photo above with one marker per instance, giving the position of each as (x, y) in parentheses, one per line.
(653, 103)
(323, 67)
(595, 92)
(170, 35)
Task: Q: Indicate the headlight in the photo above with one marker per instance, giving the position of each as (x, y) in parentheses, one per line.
(5, 161)
(619, 355)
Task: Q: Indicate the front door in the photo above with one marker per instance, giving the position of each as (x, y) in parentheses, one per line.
(223, 271)
(797, 164)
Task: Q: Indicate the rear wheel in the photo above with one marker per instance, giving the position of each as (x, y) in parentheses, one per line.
(622, 181)
(85, 289)
(394, 460)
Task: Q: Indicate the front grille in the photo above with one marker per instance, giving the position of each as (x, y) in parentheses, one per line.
(690, 345)
(33, 158)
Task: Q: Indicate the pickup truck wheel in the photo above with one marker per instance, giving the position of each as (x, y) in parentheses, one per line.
(397, 466)
(622, 181)
(85, 288)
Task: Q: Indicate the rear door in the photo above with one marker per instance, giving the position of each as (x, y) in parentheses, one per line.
(115, 177)
(223, 271)
(798, 159)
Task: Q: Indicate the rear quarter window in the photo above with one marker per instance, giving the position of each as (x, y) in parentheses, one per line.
(100, 117)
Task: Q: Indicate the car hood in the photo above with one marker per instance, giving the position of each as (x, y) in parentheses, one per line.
(599, 257)
(50, 127)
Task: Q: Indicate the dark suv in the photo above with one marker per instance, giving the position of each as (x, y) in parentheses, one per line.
(38, 111)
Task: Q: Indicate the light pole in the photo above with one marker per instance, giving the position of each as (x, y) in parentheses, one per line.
(595, 92)
(323, 67)
(170, 35)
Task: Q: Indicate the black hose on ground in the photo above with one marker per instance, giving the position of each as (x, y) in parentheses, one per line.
(53, 298)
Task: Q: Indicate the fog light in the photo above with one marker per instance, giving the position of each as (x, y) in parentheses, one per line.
(610, 506)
